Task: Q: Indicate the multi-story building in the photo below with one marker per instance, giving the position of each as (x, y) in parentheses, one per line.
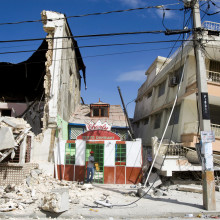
(157, 94)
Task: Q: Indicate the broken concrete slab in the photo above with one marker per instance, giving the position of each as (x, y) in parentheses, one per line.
(190, 188)
(158, 193)
(56, 201)
(87, 186)
(7, 138)
(154, 180)
(144, 193)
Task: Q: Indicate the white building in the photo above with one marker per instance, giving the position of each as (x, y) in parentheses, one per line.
(156, 95)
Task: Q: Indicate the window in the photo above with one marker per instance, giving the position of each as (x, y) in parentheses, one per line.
(214, 71)
(70, 154)
(161, 88)
(175, 77)
(146, 121)
(175, 116)
(99, 110)
(149, 94)
(157, 120)
(95, 112)
(120, 154)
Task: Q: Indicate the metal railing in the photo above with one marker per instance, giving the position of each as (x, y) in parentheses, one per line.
(176, 149)
(213, 76)
(216, 129)
(210, 25)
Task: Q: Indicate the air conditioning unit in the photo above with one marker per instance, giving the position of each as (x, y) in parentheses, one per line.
(173, 81)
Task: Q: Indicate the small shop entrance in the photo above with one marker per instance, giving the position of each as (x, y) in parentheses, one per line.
(99, 161)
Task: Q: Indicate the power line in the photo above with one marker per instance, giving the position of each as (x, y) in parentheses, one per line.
(85, 36)
(94, 14)
(100, 45)
(91, 56)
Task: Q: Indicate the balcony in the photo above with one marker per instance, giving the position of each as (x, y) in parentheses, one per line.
(210, 25)
(189, 137)
(213, 76)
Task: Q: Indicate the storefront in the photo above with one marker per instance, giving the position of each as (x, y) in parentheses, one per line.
(118, 160)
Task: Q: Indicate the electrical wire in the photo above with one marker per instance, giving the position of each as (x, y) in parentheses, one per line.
(97, 55)
(85, 36)
(94, 14)
(94, 46)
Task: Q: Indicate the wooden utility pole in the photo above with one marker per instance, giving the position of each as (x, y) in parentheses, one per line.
(208, 179)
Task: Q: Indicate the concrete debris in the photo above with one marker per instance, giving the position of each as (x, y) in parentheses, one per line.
(144, 193)
(10, 188)
(87, 186)
(56, 201)
(158, 193)
(40, 187)
(191, 188)
(12, 133)
(154, 180)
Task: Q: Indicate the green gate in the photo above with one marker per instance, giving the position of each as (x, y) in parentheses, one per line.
(99, 161)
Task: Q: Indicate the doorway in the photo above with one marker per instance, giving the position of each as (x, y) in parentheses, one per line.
(99, 161)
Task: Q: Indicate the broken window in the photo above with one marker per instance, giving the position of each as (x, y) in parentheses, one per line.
(5, 112)
(70, 154)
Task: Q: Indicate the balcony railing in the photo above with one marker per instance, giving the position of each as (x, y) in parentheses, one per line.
(210, 25)
(216, 129)
(213, 76)
(192, 127)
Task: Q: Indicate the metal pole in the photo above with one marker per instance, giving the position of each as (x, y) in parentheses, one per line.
(126, 114)
(208, 179)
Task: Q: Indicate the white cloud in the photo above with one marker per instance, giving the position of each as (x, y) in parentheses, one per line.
(135, 76)
(132, 3)
(168, 14)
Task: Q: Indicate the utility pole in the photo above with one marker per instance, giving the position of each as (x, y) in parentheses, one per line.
(207, 136)
(126, 114)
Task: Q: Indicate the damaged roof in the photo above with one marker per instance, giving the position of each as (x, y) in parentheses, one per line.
(24, 80)
(116, 116)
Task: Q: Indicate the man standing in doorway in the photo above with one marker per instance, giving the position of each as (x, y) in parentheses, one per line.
(90, 167)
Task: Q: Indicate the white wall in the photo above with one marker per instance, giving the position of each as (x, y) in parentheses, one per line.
(133, 153)
(80, 152)
(109, 153)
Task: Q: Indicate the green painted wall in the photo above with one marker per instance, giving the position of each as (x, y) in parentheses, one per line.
(64, 127)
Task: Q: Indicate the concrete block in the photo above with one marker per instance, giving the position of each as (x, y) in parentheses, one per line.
(143, 192)
(154, 180)
(195, 189)
(56, 201)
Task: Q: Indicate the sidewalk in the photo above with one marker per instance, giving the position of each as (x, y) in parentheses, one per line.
(175, 204)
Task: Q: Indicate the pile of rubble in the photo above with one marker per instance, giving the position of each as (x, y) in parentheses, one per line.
(12, 133)
(41, 192)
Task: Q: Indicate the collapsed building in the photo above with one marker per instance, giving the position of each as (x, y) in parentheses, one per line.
(44, 91)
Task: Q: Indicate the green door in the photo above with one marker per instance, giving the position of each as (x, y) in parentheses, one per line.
(99, 161)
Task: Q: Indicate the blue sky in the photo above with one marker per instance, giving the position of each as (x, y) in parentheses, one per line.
(104, 71)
